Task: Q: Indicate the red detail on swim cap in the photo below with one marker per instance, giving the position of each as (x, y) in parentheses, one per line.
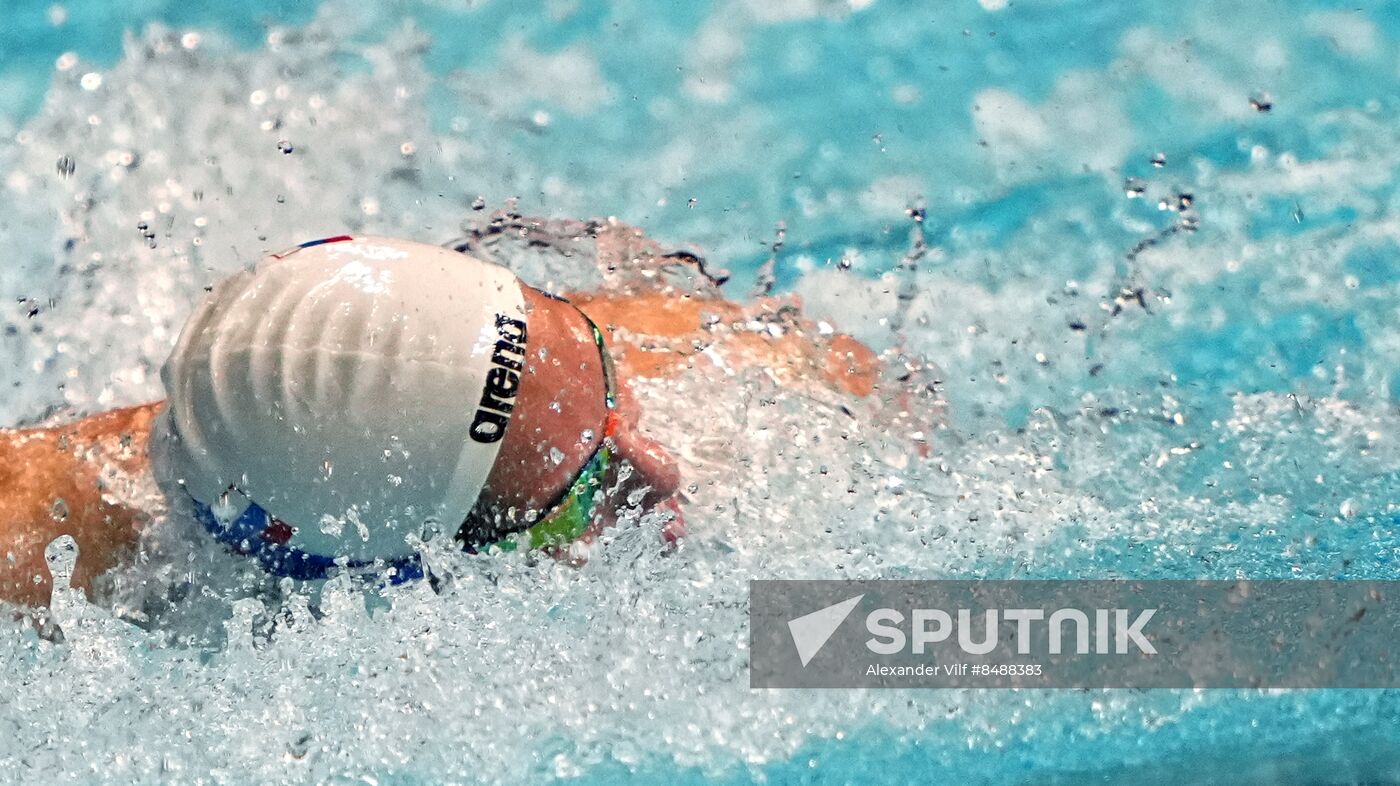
(310, 243)
(325, 240)
(611, 424)
(277, 531)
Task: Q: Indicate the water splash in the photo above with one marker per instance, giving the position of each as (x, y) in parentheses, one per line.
(1120, 407)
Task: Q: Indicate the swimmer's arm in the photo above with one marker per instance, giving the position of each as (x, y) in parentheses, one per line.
(668, 333)
(670, 330)
(64, 480)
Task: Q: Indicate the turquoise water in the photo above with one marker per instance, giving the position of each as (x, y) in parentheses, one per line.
(1162, 286)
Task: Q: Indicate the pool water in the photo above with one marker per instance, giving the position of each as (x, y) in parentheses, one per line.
(1159, 276)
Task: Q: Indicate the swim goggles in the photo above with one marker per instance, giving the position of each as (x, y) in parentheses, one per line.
(569, 517)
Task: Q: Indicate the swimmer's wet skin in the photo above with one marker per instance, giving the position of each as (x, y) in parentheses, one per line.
(352, 392)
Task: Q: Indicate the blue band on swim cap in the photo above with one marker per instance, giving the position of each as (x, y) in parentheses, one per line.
(310, 244)
(248, 535)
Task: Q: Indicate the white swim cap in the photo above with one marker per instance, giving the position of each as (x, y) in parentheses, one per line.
(353, 388)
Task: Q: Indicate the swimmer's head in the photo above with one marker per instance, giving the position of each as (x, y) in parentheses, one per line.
(355, 389)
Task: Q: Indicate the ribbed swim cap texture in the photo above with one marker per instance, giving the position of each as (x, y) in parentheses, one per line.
(353, 389)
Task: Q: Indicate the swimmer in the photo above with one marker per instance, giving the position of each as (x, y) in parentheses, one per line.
(325, 405)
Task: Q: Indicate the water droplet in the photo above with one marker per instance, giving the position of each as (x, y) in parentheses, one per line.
(327, 467)
(59, 510)
(586, 436)
(1133, 187)
(61, 554)
(556, 455)
(332, 526)
(1261, 102)
(479, 203)
(66, 166)
(285, 147)
(91, 81)
(1159, 160)
(223, 509)
(353, 516)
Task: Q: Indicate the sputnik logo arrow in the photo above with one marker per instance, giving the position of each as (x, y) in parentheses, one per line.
(810, 632)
